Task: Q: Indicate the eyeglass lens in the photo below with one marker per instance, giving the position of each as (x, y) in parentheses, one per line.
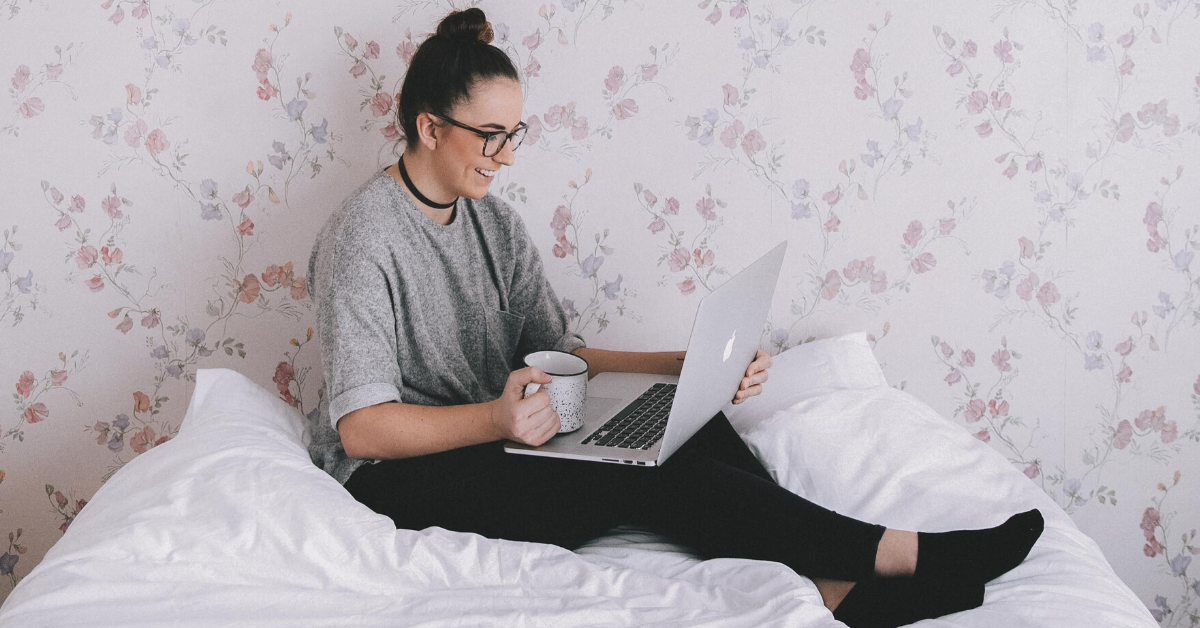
(495, 142)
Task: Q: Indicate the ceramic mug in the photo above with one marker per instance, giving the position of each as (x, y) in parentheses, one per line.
(567, 388)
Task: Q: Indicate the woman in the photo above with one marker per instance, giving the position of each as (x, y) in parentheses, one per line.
(429, 290)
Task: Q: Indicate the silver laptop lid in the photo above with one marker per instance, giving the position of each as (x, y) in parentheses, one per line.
(724, 340)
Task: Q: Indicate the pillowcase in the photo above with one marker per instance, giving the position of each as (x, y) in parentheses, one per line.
(807, 370)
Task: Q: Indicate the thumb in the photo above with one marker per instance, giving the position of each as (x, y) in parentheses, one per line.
(530, 374)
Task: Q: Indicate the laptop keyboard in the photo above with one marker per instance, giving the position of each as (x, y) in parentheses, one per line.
(640, 424)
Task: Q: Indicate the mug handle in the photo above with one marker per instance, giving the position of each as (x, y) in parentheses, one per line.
(531, 388)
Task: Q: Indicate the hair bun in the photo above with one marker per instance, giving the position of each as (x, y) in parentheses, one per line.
(470, 26)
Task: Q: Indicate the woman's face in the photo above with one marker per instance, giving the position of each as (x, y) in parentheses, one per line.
(494, 105)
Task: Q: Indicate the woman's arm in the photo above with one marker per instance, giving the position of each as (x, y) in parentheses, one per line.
(669, 363)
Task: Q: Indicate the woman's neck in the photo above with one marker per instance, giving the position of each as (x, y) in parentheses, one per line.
(420, 171)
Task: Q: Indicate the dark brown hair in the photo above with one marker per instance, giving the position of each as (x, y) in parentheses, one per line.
(448, 64)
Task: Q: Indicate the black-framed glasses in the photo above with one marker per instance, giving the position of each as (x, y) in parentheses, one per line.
(493, 141)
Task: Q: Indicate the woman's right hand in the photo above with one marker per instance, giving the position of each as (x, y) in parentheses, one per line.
(525, 420)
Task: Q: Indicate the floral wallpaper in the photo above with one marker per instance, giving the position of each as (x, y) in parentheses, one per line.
(1003, 194)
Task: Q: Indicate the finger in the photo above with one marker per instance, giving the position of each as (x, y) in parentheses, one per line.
(535, 403)
(547, 429)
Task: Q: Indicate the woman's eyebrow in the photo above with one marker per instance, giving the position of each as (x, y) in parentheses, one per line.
(498, 127)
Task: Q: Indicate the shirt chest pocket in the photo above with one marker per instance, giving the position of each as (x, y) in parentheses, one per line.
(501, 337)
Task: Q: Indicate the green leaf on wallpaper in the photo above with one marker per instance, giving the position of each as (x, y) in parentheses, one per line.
(337, 31)
(1088, 458)
(45, 185)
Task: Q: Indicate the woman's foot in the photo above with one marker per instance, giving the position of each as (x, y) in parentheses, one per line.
(977, 555)
(891, 602)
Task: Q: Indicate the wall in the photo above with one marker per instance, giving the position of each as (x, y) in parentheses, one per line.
(1003, 195)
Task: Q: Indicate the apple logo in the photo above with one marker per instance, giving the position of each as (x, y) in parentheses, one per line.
(729, 346)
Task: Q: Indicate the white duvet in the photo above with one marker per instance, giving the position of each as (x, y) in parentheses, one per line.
(230, 524)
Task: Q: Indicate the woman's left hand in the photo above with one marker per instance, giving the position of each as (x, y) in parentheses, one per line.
(756, 374)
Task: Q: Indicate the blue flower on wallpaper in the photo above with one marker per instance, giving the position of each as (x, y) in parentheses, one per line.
(121, 422)
(501, 29)
(1042, 197)
(319, 132)
(115, 116)
(1183, 259)
(149, 43)
(25, 284)
(779, 336)
(282, 154)
(1179, 564)
(1094, 341)
(570, 5)
(568, 306)
(800, 188)
(1167, 306)
(163, 61)
(174, 370)
(208, 190)
(7, 563)
(591, 264)
(747, 43)
(295, 108)
(6, 258)
(612, 289)
(160, 352)
(116, 444)
(873, 156)
(209, 211)
(180, 26)
(891, 107)
(1093, 361)
(1095, 32)
(800, 211)
(779, 27)
(998, 283)
(914, 130)
(195, 336)
(1160, 613)
(1095, 53)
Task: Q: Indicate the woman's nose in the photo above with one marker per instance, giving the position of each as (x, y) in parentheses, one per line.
(505, 156)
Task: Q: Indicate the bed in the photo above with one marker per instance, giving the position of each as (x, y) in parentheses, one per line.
(230, 524)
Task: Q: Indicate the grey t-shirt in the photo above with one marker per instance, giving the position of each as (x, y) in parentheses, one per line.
(413, 311)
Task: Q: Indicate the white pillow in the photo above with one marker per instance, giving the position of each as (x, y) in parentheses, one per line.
(807, 370)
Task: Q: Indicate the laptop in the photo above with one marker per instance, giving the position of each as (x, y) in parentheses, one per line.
(639, 419)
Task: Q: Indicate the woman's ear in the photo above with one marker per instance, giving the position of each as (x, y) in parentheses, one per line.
(427, 130)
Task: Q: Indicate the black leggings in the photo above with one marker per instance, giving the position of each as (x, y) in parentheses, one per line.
(712, 496)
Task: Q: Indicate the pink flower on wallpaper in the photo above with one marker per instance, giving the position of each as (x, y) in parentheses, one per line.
(262, 64)
(947, 350)
(1027, 249)
(1125, 348)
(946, 225)
(36, 413)
(1126, 67)
(753, 142)
(969, 48)
(649, 72)
(1001, 100)
(1123, 436)
(625, 109)
(1127, 39)
(912, 235)
(246, 227)
(983, 435)
(135, 132)
(381, 104)
(948, 40)
(686, 286)
(1196, 386)
(157, 142)
(703, 258)
(579, 128)
(738, 10)
(358, 69)
(831, 285)
(954, 377)
(391, 133)
(20, 79)
(86, 256)
(116, 256)
(1035, 164)
(299, 288)
(57, 377)
(976, 102)
(284, 373)
(833, 223)
(117, 16)
(560, 221)
(923, 262)
(1027, 287)
(616, 78)
(248, 291)
(533, 41)
(372, 50)
(274, 275)
(967, 358)
(650, 198)
(1170, 431)
(998, 410)
(141, 10)
(1032, 471)
(125, 325)
(1000, 359)
(1124, 375)
(1011, 170)
(112, 206)
(731, 134)
(405, 50)
(351, 42)
(714, 17)
(1151, 419)
(671, 207)
(1152, 217)
(95, 284)
(706, 207)
(984, 129)
(150, 320)
(954, 69)
(833, 196)
(658, 224)
(142, 439)
(25, 383)
(878, 282)
(243, 198)
(678, 260)
(31, 107)
(1003, 50)
(77, 203)
(533, 130)
(133, 94)
(859, 65)
(1125, 128)
(731, 94)
(265, 91)
(1048, 295)
(563, 248)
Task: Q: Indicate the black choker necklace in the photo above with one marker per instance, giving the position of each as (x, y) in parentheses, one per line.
(417, 193)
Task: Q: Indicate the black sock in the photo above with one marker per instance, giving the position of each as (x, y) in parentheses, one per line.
(977, 555)
(891, 602)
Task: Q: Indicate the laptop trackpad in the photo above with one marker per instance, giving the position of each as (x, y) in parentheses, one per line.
(597, 407)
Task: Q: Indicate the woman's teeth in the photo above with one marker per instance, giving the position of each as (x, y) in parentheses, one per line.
(486, 173)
